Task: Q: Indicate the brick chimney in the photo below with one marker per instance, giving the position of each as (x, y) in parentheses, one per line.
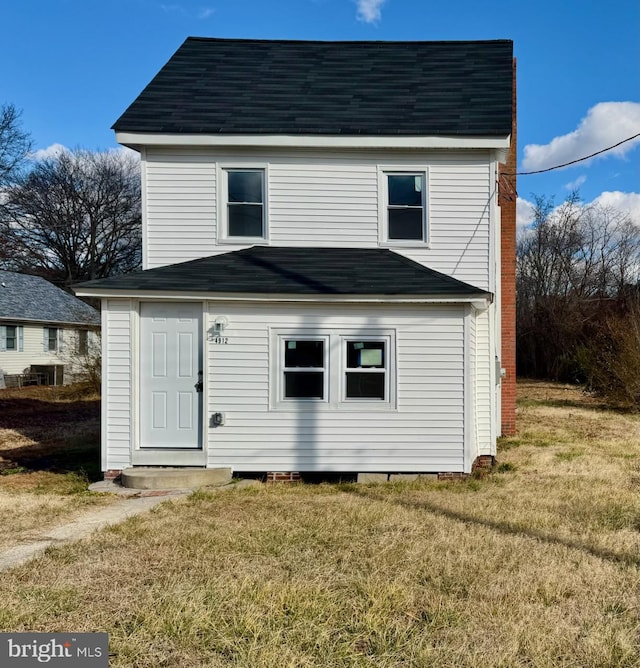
(507, 195)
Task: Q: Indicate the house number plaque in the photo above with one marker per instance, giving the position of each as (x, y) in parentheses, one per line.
(221, 340)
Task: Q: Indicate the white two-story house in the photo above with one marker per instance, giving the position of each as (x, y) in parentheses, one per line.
(323, 260)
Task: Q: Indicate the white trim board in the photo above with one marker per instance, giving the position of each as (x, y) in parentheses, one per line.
(479, 302)
(137, 140)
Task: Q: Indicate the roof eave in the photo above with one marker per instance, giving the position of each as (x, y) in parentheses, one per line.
(136, 140)
(191, 295)
(50, 321)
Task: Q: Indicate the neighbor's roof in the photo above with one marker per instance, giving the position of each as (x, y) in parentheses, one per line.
(32, 298)
(296, 270)
(232, 86)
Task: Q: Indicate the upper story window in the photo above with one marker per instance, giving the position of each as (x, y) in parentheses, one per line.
(405, 217)
(244, 203)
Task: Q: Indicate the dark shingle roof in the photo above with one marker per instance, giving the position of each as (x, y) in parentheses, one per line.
(222, 86)
(25, 297)
(296, 270)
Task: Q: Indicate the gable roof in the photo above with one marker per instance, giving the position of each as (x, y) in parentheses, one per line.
(294, 270)
(31, 298)
(234, 86)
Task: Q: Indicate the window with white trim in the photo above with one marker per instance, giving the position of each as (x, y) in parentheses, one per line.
(11, 338)
(304, 368)
(52, 339)
(333, 369)
(244, 215)
(405, 206)
(365, 369)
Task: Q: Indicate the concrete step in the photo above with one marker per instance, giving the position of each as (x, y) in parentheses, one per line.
(174, 478)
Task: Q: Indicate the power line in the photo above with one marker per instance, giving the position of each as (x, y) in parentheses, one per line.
(573, 162)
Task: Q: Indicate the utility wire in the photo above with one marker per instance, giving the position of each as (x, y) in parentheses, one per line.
(573, 162)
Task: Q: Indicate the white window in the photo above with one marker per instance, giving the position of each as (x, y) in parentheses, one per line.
(11, 338)
(52, 339)
(333, 370)
(304, 368)
(365, 365)
(404, 207)
(243, 209)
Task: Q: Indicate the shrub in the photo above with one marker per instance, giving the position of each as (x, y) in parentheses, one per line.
(611, 357)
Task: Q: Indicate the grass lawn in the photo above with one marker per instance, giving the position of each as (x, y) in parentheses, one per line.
(49, 451)
(533, 565)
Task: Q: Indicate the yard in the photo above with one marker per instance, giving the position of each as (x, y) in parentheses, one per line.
(535, 564)
(49, 451)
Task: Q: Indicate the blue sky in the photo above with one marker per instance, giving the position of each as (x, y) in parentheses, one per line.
(73, 66)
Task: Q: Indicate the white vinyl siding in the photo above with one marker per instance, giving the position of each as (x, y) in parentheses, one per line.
(322, 198)
(470, 389)
(180, 205)
(118, 382)
(319, 203)
(424, 433)
(484, 360)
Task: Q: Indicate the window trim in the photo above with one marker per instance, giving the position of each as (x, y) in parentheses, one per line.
(282, 369)
(335, 369)
(383, 204)
(14, 338)
(47, 340)
(223, 170)
(345, 369)
(18, 337)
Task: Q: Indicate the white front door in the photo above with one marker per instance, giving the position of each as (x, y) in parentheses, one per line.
(171, 375)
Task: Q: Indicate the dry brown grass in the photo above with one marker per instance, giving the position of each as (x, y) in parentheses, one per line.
(49, 450)
(534, 565)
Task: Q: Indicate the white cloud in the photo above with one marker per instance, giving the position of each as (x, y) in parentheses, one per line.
(604, 125)
(55, 150)
(627, 202)
(369, 10)
(575, 185)
(124, 151)
(177, 8)
(52, 151)
(524, 213)
(170, 9)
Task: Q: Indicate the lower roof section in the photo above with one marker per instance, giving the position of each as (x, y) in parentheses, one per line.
(268, 270)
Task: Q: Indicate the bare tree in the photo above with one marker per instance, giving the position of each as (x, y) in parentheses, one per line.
(572, 260)
(15, 143)
(74, 217)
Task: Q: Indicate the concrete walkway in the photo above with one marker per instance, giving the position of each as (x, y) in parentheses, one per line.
(134, 502)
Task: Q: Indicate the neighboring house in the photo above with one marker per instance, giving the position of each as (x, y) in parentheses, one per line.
(328, 259)
(44, 331)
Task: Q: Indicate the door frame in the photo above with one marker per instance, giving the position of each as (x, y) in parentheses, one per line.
(165, 456)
